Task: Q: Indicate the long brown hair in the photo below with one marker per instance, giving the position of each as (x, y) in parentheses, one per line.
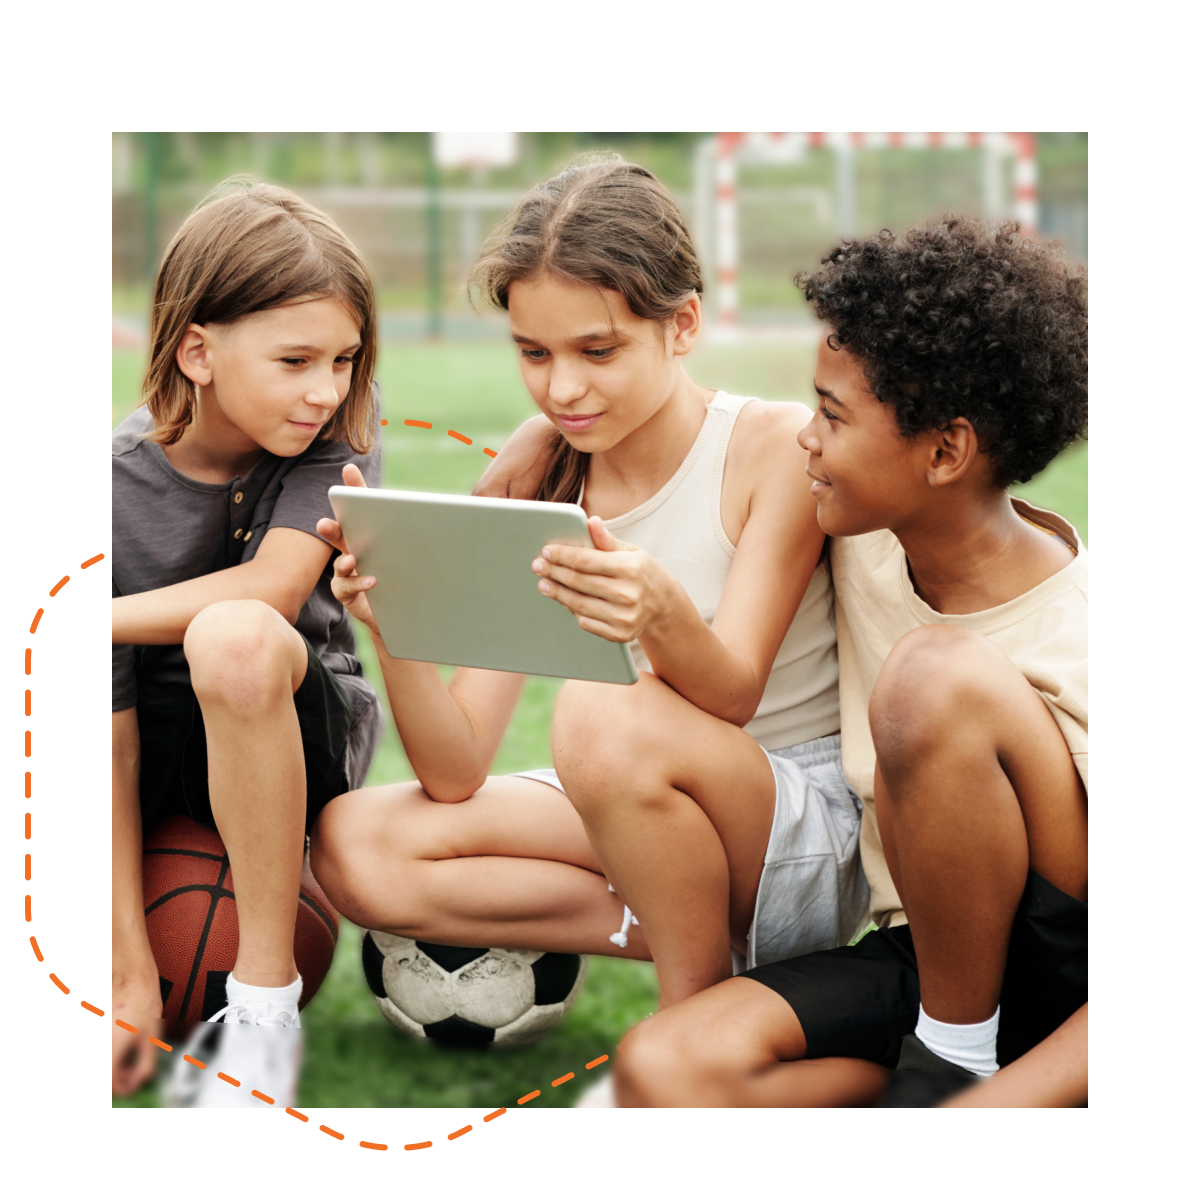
(245, 248)
(609, 224)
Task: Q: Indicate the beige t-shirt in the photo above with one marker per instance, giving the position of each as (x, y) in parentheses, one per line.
(1043, 632)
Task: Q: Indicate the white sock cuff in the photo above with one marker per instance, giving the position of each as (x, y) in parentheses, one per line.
(238, 992)
(972, 1047)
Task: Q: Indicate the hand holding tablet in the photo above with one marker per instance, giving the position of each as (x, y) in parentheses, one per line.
(451, 583)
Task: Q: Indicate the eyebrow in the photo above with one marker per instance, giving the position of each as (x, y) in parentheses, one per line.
(828, 395)
(603, 335)
(315, 349)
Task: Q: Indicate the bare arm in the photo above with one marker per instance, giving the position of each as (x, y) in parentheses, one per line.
(620, 592)
(282, 574)
(136, 996)
(1054, 1074)
(450, 734)
(518, 469)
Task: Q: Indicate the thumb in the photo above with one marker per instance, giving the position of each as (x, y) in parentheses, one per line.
(352, 476)
(601, 538)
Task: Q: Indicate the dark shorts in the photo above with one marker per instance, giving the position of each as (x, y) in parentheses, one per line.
(859, 1001)
(174, 774)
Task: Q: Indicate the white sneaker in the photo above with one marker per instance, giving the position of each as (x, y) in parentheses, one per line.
(261, 1051)
(601, 1094)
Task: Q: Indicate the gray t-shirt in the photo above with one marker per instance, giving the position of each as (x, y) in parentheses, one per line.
(167, 528)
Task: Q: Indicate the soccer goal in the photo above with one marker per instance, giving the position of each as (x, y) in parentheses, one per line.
(765, 204)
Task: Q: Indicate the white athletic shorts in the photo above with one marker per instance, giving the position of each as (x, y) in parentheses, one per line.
(813, 894)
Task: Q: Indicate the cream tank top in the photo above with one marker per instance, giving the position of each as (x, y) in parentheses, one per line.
(681, 527)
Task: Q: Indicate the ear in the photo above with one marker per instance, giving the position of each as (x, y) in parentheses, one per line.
(193, 354)
(952, 452)
(687, 322)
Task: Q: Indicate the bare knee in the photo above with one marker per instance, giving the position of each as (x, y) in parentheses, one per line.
(241, 653)
(365, 863)
(605, 749)
(936, 681)
(659, 1067)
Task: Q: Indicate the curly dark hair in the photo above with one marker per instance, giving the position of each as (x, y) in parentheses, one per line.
(964, 318)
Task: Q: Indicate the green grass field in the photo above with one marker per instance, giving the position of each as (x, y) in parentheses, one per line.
(353, 1057)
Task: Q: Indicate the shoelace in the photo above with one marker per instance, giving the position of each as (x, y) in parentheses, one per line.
(621, 938)
(240, 1015)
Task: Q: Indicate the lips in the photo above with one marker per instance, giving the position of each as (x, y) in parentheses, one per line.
(578, 424)
(819, 486)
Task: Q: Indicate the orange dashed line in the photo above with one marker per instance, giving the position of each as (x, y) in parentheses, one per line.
(596, 1062)
(28, 661)
(531, 1096)
(37, 616)
(28, 822)
(28, 868)
(28, 744)
(58, 587)
(420, 425)
(58, 983)
(126, 1026)
(91, 1008)
(264, 1099)
(195, 1062)
(291, 1112)
(91, 562)
(28, 703)
(29, 908)
(418, 1145)
(458, 1133)
(161, 1045)
(564, 1078)
(333, 1133)
(36, 951)
(374, 1145)
(462, 437)
(28, 785)
(493, 1115)
(489, 453)
(384, 421)
(229, 1079)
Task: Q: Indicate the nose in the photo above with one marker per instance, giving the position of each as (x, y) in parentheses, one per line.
(808, 439)
(566, 384)
(324, 394)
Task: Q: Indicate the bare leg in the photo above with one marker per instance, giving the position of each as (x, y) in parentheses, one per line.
(510, 866)
(246, 663)
(737, 1045)
(678, 806)
(974, 786)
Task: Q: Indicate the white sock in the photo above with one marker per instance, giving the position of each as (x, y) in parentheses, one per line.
(972, 1047)
(264, 1001)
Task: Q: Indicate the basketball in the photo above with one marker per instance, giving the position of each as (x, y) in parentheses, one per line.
(191, 917)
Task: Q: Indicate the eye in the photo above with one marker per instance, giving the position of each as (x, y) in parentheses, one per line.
(824, 411)
(601, 355)
(346, 360)
(293, 362)
(534, 355)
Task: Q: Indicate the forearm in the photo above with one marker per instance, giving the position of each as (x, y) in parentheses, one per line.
(689, 656)
(132, 956)
(1054, 1074)
(161, 617)
(449, 746)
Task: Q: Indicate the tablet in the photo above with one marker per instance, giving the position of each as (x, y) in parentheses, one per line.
(454, 584)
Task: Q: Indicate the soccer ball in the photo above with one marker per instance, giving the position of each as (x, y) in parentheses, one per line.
(469, 997)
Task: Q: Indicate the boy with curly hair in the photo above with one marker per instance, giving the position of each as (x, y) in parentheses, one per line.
(954, 364)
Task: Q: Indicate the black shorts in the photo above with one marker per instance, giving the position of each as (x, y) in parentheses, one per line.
(859, 1001)
(174, 773)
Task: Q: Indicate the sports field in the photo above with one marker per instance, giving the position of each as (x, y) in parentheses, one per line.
(353, 1057)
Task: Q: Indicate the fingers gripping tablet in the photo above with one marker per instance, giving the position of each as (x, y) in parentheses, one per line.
(454, 583)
